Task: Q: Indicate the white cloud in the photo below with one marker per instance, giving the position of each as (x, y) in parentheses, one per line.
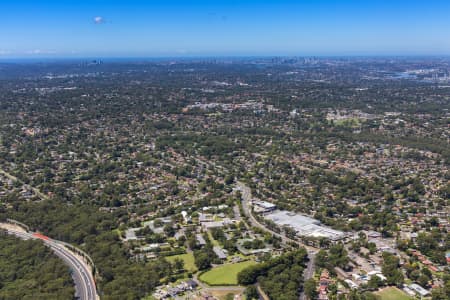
(40, 52)
(99, 20)
(5, 52)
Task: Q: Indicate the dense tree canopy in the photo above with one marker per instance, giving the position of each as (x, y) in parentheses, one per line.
(280, 277)
(92, 230)
(29, 270)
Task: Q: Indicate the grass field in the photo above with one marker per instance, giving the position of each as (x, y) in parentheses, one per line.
(188, 259)
(350, 122)
(226, 274)
(222, 295)
(392, 293)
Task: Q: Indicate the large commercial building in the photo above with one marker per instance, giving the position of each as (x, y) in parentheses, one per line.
(305, 226)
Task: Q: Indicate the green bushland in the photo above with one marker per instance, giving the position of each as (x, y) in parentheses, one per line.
(29, 270)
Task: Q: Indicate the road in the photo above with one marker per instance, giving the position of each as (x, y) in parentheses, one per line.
(27, 186)
(310, 267)
(81, 274)
(308, 272)
(246, 198)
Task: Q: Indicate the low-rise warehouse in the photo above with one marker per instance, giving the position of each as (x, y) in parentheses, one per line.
(305, 226)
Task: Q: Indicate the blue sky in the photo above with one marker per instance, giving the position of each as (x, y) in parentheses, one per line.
(145, 28)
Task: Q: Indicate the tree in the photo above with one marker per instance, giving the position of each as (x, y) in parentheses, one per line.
(218, 234)
(374, 282)
(438, 294)
(310, 288)
(229, 296)
(414, 275)
(333, 289)
(230, 246)
(427, 272)
(202, 260)
(169, 230)
(229, 179)
(30, 271)
(391, 269)
(335, 257)
(251, 292)
(423, 280)
(338, 256)
(321, 258)
(248, 275)
(372, 247)
(279, 277)
(178, 264)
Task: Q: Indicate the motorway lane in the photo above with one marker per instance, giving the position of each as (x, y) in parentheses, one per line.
(81, 276)
(84, 282)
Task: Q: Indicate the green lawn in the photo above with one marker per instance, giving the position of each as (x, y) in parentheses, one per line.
(188, 259)
(393, 293)
(350, 122)
(213, 241)
(226, 274)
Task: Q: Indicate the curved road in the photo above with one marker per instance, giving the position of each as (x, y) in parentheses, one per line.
(81, 274)
(246, 198)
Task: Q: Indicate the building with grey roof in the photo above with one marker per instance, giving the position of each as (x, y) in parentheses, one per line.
(419, 289)
(220, 252)
(200, 240)
(263, 206)
(305, 226)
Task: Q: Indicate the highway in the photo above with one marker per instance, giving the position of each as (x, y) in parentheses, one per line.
(81, 274)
